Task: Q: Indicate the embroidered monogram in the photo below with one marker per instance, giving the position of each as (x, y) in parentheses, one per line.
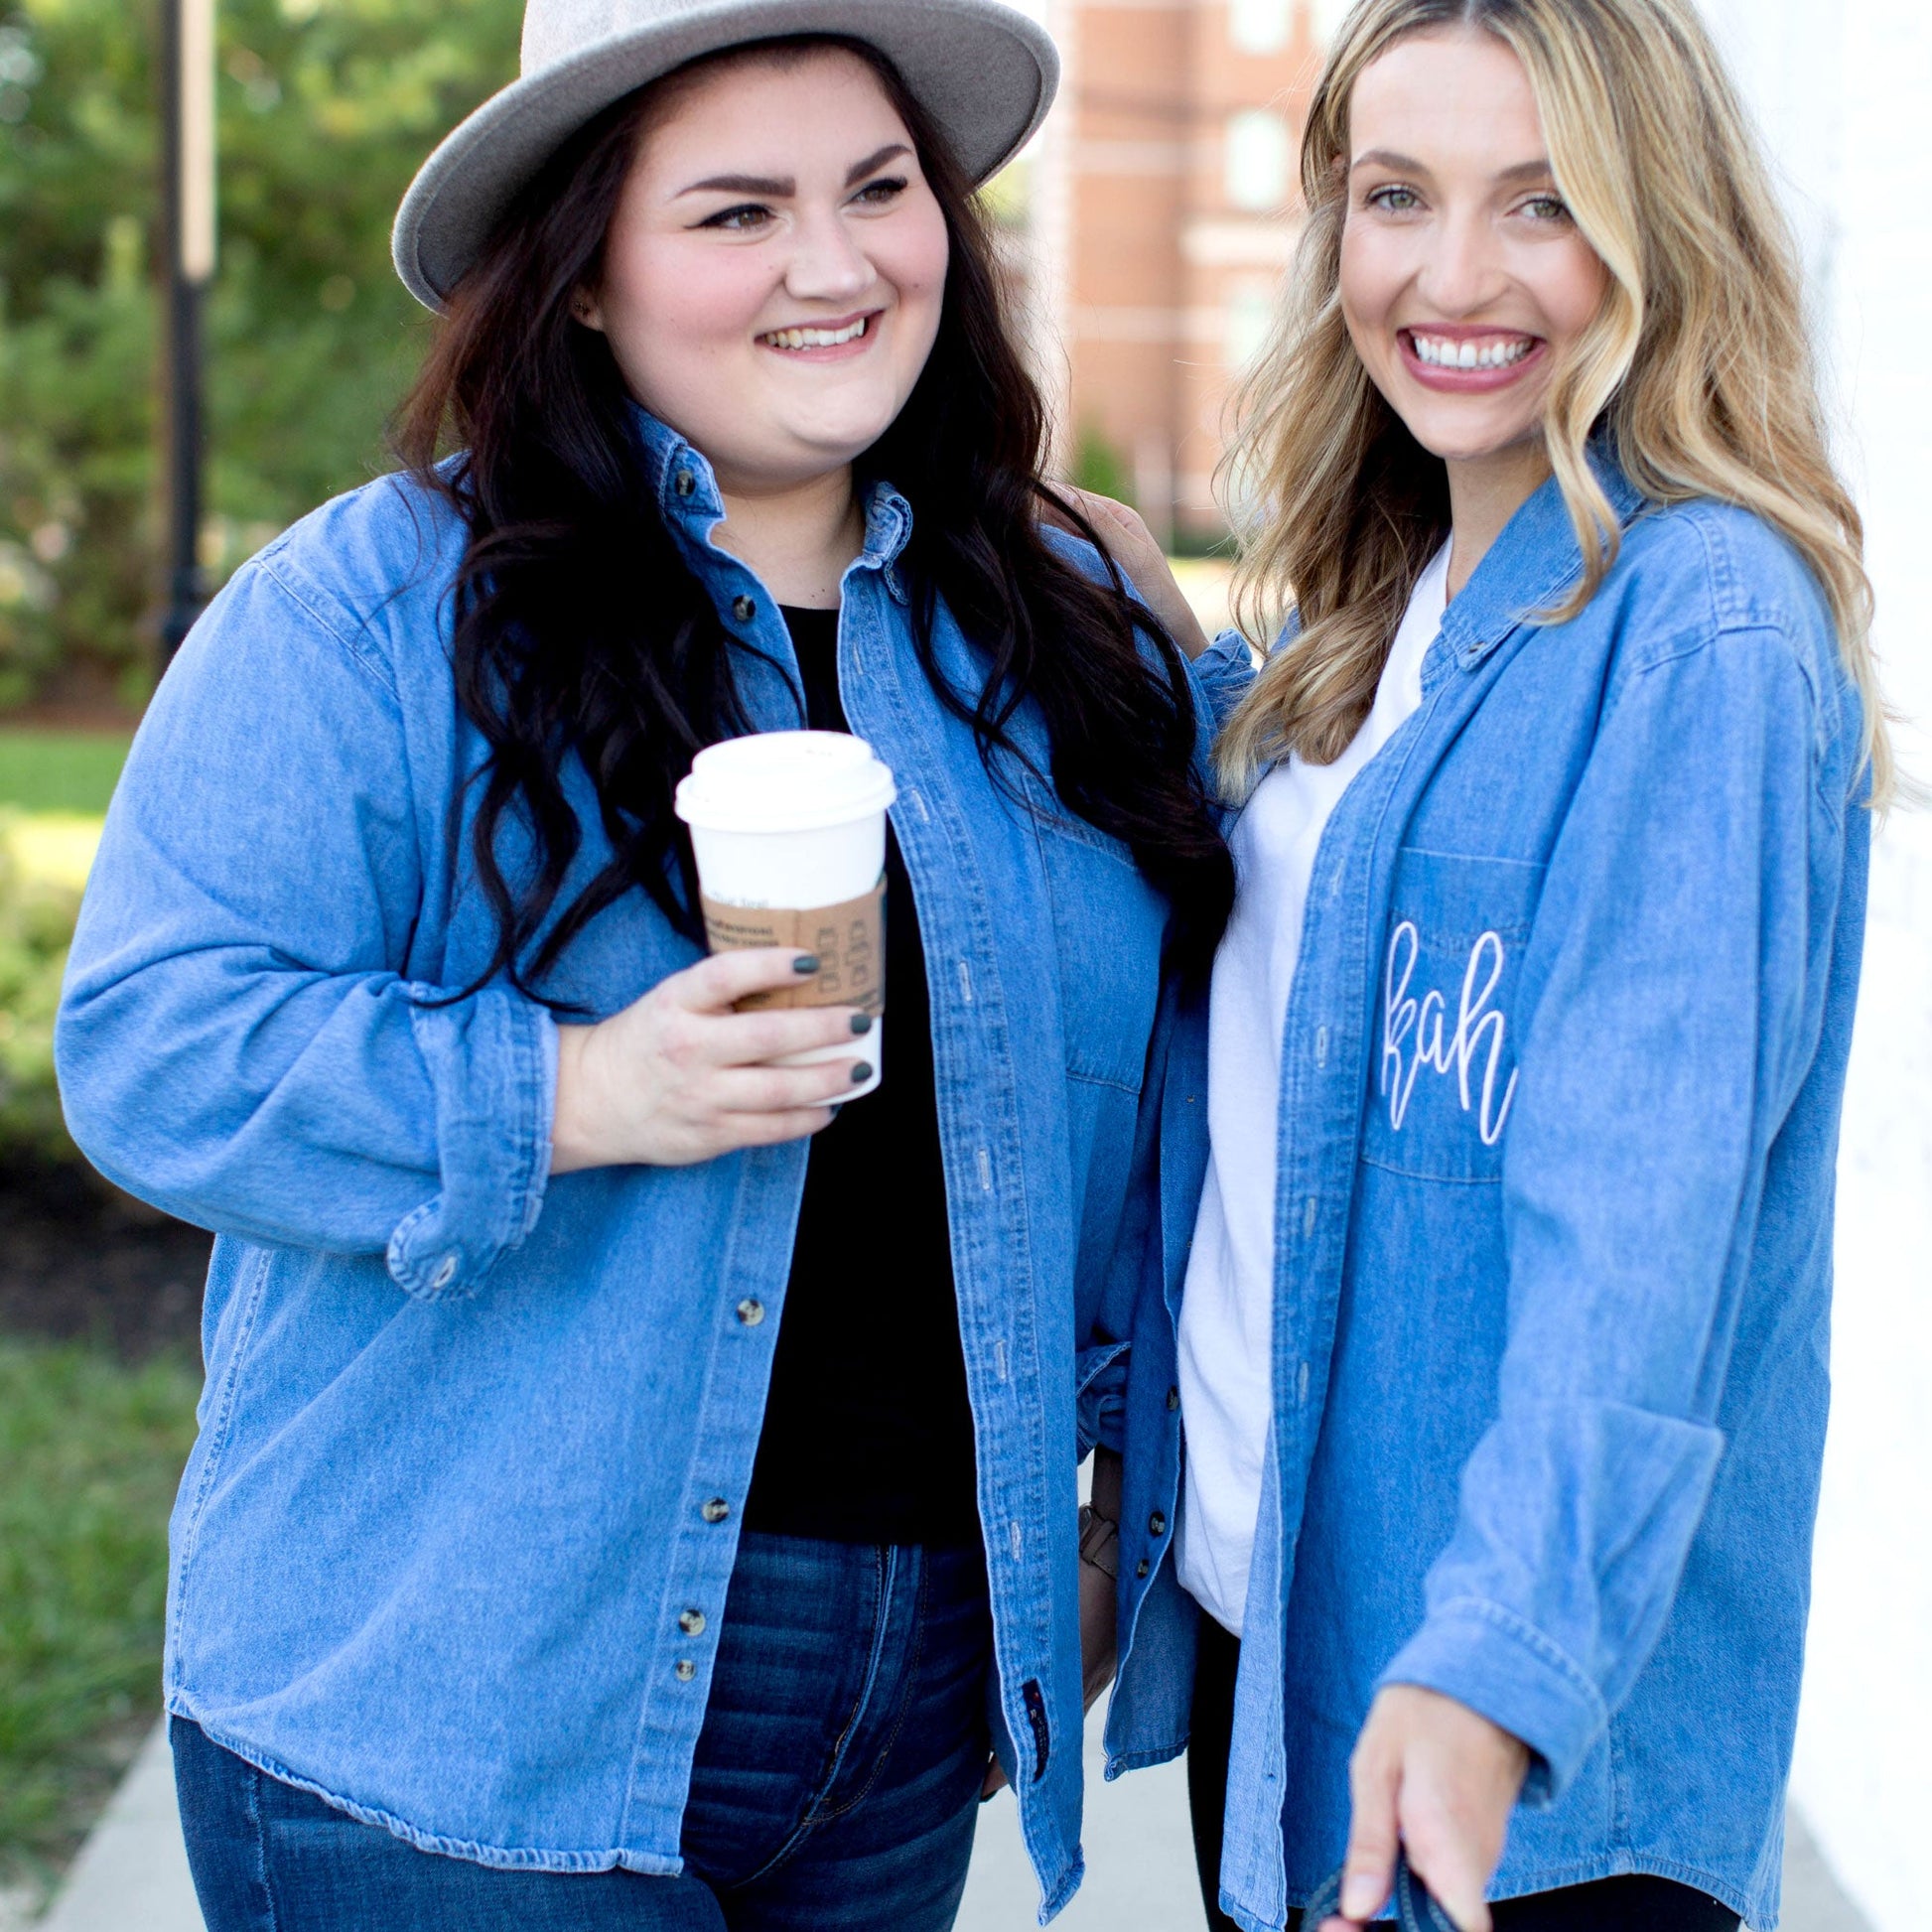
(1413, 1032)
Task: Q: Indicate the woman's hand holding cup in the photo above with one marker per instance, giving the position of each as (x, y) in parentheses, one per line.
(679, 1076)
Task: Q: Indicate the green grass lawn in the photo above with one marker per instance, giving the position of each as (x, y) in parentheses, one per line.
(90, 1450)
(60, 772)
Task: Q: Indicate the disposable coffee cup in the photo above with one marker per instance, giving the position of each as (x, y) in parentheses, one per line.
(788, 829)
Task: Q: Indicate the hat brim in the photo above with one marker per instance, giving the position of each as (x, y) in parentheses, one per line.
(985, 73)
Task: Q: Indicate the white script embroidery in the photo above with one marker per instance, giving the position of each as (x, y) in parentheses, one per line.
(1412, 1031)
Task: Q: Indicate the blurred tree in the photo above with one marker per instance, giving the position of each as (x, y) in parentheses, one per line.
(325, 109)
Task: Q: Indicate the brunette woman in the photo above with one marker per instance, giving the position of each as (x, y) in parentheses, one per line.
(627, 1494)
(1503, 1346)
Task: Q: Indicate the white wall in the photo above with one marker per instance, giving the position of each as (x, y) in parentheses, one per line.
(1843, 90)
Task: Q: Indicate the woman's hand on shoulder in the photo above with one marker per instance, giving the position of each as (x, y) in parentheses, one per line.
(679, 1076)
(1141, 561)
(1439, 1780)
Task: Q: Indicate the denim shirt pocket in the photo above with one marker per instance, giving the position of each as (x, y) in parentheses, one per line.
(1443, 1072)
(1108, 927)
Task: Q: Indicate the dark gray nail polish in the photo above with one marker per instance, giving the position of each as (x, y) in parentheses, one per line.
(806, 963)
(861, 1072)
(862, 1022)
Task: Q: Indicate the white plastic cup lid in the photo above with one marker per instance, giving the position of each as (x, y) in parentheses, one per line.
(784, 781)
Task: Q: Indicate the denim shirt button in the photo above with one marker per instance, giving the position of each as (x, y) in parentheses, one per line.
(1157, 1524)
(744, 610)
(716, 1510)
(751, 1312)
(691, 1622)
(686, 1670)
(445, 1274)
(684, 482)
(1140, 1568)
(1173, 1397)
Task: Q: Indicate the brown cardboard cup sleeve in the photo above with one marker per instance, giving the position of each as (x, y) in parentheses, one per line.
(849, 939)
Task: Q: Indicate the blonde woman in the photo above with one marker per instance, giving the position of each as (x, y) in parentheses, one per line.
(1502, 1354)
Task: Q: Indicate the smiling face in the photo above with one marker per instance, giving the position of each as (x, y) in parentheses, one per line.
(1464, 281)
(774, 274)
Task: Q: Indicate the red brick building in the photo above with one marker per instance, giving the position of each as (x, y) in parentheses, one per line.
(1161, 218)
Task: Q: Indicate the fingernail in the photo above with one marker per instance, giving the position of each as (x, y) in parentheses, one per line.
(806, 963)
(861, 1072)
(862, 1022)
(1359, 1896)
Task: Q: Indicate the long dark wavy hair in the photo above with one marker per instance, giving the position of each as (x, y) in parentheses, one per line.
(557, 656)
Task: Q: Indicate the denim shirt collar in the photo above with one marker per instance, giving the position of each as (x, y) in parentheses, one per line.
(1526, 571)
(687, 493)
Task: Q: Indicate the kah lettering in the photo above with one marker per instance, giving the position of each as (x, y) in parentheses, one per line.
(1416, 1033)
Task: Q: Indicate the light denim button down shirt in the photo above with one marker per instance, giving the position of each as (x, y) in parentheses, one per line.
(474, 1441)
(1562, 1076)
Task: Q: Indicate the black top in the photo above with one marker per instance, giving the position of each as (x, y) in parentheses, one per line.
(867, 1433)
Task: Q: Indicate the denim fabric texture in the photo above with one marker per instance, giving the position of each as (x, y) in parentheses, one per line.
(475, 1442)
(835, 1786)
(1562, 1077)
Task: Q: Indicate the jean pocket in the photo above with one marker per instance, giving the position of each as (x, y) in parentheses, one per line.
(1444, 1069)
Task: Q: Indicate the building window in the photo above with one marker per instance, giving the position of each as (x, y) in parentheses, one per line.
(1259, 26)
(1244, 324)
(1257, 159)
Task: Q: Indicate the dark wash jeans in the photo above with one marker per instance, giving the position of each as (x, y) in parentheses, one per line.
(834, 1789)
(1640, 1904)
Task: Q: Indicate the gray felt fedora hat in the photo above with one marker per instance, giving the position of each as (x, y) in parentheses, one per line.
(983, 70)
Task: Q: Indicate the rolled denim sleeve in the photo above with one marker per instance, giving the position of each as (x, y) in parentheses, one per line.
(240, 1041)
(1100, 1385)
(1222, 674)
(1672, 1009)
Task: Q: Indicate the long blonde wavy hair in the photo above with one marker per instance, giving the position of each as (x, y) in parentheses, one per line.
(1697, 367)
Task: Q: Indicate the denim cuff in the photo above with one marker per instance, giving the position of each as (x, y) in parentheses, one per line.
(491, 1061)
(1222, 674)
(1100, 1385)
(1487, 1657)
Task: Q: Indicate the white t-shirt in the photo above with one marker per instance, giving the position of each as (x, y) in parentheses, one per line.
(1227, 1313)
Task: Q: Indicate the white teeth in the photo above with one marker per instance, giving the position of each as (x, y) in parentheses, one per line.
(1440, 353)
(817, 337)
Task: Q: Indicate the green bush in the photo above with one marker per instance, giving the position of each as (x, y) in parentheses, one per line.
(36, 925)
(90, 1450)
(1099, 467)
(325, 108)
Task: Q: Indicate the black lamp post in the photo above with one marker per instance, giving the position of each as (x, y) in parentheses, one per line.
(188, 221)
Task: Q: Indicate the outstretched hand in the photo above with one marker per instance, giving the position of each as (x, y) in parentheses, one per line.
(1432, 1777)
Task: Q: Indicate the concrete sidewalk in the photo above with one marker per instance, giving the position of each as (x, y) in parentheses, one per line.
(132, 1874)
